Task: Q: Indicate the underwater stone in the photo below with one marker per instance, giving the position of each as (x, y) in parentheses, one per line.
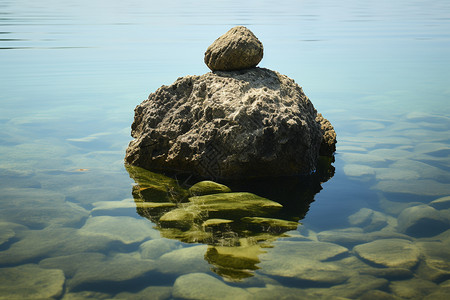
(52, 241)
(216, 222)
(237, 49)
(395, 253)
(304, 261)
(202, 286)
(106, 269)
(155, 248)
(183, 261)
(414, 288)
(38, 208)
(355, 235)
(182, 218)
(422, 221)
(441, 203)
(234, 263)
(125, 229)
(30, 282)
(270, 224)
(207, 188)
(152, 292)
(235, 205)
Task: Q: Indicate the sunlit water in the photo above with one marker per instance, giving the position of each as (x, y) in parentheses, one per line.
(71, 73)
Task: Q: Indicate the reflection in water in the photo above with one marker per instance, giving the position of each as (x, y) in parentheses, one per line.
(237, 226)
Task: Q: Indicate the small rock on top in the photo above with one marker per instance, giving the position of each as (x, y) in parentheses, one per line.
(237, 49)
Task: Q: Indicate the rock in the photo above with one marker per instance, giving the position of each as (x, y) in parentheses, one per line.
(152, 292)
(182, 218)
(52, 241)
(235, 124)
(8, 230)
(86, 295)
(415, 187)
(272, 291)
(237, 49)
(154, 187)
(328, 145)
(370, 220)
(30, 282)
(354, 235)
(70, 264)
(38, 208)
(203, 286)
(195, 234)
(155, 248)
(378, 295)
(234, 263)
(270, 224)
(355, 170)
(125, 229)
(394, 207)
(394, 253)
(422, 221)
(184, 261)
(441, 203)
(112, 207)
(436, 263)
(234, 205)
(304, 261)
(216, 222)
(207, 188)
(352, 289)
(90, 269)
(412, 289)
(388, 273)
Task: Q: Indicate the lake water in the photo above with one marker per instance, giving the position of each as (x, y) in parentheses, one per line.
(71, 73)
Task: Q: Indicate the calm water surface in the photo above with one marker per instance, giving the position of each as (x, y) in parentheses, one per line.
(73, 71)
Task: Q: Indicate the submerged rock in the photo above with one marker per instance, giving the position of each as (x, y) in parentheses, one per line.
(231, 124)
(237, 49)
(207, 188)
(394, 253)
(305, 261)
(422, 221)
(203, 286)
(31, 282)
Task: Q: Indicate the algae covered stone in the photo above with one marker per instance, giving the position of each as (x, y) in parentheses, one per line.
(237, 49)
(207, 187)
(270, 224)
(235, 205)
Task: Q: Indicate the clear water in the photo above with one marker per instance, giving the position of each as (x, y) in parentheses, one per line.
(73, 71)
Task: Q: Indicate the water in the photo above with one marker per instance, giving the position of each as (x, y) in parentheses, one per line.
(72, 73)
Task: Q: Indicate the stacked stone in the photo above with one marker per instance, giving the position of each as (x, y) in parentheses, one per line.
(237, 49)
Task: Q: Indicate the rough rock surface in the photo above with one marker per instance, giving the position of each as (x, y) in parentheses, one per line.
(237, 49)
(235, 124)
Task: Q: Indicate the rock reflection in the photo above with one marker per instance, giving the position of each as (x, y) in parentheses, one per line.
(236, 226)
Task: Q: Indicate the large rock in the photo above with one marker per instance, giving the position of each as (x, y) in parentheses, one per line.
(31, 282)
(235, 124)
(237, 49)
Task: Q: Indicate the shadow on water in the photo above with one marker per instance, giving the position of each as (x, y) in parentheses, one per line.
(236, 219)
